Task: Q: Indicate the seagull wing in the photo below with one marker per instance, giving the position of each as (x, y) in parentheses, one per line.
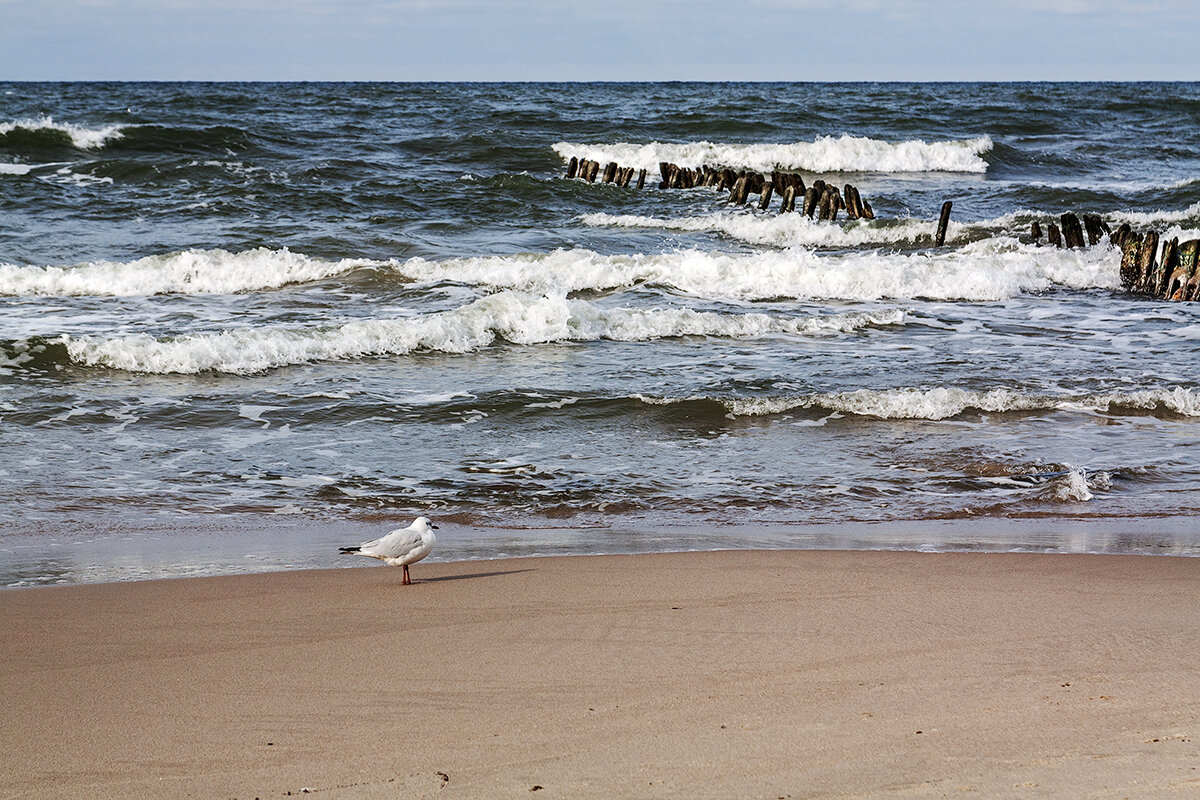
(368, 545)
(394, 545)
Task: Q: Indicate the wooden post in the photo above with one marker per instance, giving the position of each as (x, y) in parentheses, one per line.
(943, 223)
(853, 202)
(1147, 270)
(593, 169)
(641, 184)
(1035, 230)
(1169, 267)
(767, 190)
(787, 203)
(610, 172)
(572, 167)
(830, 202)
(1185, 271)
(1192, 290)
(811, 200)
(738, 195)
(1131, 252)
(1053, 236)
(1095, 229)
(1121, 234)
(1072, 231)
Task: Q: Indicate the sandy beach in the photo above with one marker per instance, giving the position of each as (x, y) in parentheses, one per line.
(727, 674)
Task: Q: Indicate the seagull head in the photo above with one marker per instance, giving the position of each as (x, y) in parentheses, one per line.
(423, 524)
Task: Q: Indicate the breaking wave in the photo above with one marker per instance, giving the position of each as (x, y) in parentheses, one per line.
(1141, 219)
(45, 132)
(507, 316)
(989, 269)
(187, 272)
(784, 230)
(943, 403)
(824, 154)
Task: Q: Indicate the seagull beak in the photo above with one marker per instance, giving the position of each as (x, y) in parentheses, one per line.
(435, 527)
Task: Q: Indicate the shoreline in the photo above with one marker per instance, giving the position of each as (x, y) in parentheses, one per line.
(801, 673)
(116, 550)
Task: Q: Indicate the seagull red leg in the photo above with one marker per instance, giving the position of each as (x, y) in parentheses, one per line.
(407, 581)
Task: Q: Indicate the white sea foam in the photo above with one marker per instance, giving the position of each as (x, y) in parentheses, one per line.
(15, 169)
(82, 137)
(1072, 487)
(943, 403)
(989, 269)
(187, 272)
(67, 177)
(1142, 219)
(824, 154)
(785, 230)
(509, 316)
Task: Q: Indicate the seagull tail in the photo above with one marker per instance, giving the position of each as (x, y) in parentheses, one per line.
(351, 550)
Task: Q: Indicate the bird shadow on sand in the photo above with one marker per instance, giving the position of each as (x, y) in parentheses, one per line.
(468, 575)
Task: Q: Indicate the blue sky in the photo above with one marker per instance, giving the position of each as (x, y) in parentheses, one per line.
(615, 40)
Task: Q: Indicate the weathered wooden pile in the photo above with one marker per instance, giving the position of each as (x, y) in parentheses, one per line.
(822, 200)
(1171, 276)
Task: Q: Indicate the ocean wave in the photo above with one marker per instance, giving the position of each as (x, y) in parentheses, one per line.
(944, 403)
(1144, 219)
(824, 154)
(186, 272)
(513, 317)
(44, 131)
(990, 269)
(785, 230)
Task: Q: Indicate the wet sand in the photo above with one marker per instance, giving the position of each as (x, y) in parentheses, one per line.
(730, 674)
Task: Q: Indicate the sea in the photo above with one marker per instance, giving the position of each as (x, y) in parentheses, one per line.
(242, 324)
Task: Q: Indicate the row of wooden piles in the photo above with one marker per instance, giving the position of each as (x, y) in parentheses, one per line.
(1072, 231)
(1169, 275)
(1173, 276)
(820, 200)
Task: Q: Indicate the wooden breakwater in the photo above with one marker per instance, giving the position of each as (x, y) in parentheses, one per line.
(1166, 270)
(821, 200)
(1171, 275)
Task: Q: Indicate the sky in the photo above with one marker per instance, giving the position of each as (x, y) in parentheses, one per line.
(539, 40)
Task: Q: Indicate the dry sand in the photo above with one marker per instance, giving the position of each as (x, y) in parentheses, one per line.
(723, 675)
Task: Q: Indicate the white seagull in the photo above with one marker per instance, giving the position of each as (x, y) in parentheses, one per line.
(401, 547)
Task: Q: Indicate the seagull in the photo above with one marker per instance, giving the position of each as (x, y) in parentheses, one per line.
(401, 547)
